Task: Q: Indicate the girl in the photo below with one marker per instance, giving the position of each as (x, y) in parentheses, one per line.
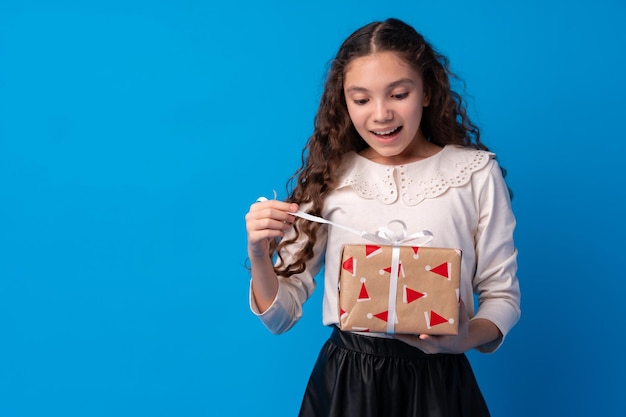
(391, 141)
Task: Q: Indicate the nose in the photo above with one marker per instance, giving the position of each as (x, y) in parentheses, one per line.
(382, 112)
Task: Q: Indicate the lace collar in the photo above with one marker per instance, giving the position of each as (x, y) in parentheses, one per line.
(453, 166)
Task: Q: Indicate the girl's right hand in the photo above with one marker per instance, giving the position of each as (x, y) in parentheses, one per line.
(265, 221)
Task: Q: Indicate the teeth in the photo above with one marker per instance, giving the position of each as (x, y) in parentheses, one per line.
(386, 132)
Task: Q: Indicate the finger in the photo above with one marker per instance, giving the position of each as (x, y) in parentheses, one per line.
(261, 236)
(266, 225)
(272, 208)
(269, 219)
(274, 204)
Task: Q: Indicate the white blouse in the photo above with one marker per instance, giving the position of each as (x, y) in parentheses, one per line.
(458, 194)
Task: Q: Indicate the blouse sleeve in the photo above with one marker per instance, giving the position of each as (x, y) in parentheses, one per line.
(293, 291)
(495, 281)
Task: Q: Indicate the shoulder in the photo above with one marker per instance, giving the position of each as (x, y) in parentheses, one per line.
(459, 158)
(462, 164)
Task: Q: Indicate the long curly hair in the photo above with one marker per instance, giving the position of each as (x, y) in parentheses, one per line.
(444, 121)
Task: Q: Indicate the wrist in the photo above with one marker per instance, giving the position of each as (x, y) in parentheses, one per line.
(482, 332)
(256, 254)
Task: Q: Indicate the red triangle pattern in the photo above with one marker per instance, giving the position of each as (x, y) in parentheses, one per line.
(370, 249)
(388, 270)
(363, 295)
(348, 265)
(412, 295)
(436, 319)
(383, 316)
(441, 270)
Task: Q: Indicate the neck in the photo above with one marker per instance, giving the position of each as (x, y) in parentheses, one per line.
(419, 149)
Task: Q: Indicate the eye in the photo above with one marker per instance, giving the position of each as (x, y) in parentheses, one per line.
(400, 96)
(360, 101)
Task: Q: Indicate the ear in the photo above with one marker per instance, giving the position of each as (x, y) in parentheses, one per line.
(426, 100)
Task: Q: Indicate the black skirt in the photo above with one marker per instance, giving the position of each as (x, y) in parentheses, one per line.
(363, 376)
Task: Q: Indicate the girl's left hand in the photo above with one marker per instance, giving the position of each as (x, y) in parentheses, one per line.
(459, 343)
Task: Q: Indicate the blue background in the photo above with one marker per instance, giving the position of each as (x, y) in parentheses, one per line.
(135, 134)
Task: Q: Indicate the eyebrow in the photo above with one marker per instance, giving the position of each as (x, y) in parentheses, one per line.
(394, 84)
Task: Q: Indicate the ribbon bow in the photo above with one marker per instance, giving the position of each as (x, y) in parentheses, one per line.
(387, 236)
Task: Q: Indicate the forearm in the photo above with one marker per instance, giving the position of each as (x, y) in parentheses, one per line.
(264, 282)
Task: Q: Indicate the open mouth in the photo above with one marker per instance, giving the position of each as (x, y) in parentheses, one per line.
(387, 133)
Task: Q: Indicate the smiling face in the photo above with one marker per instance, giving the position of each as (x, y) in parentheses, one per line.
(385, 98)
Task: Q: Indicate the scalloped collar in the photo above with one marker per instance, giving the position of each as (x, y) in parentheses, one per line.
(414, 182)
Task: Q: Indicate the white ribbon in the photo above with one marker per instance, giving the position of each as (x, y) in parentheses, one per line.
(393, 289)
(383, 235)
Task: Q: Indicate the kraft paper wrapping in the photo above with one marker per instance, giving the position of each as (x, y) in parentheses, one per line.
(423, 299)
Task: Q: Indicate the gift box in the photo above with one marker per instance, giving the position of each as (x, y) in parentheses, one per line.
(399, 289)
